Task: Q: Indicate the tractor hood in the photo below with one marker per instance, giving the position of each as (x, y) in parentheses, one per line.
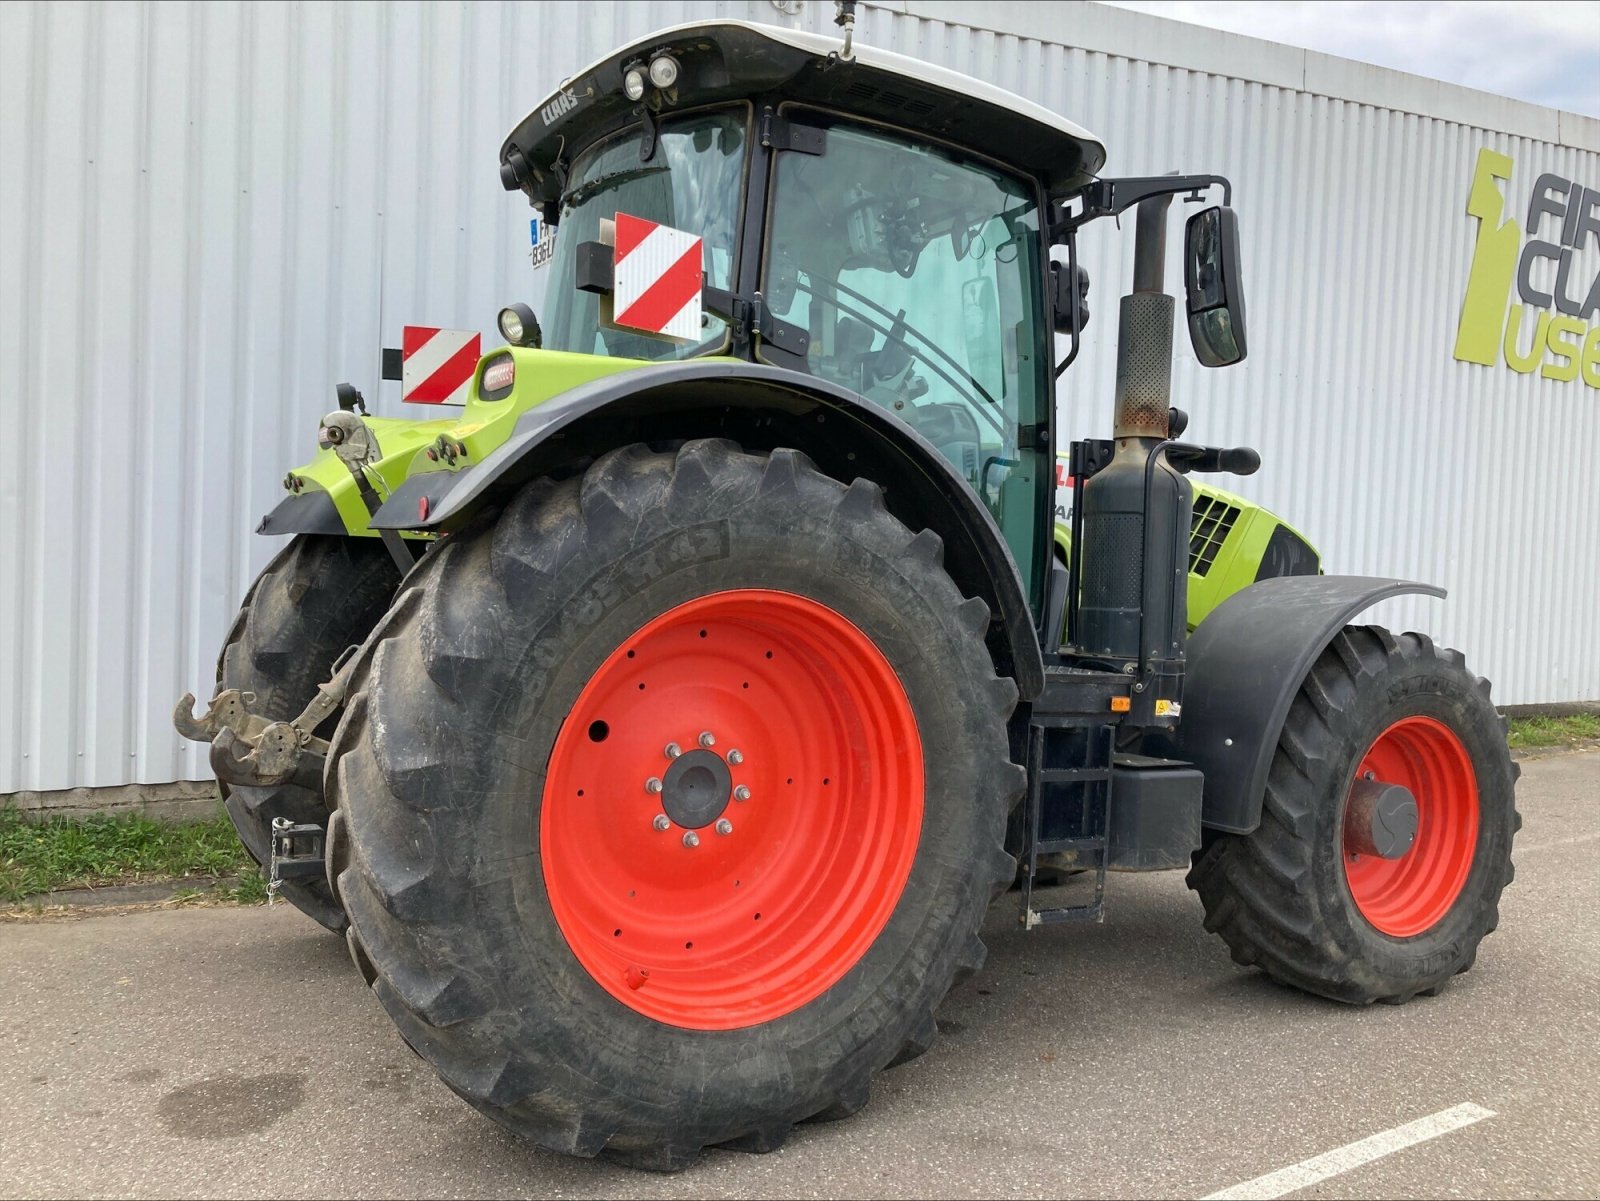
(719, 61)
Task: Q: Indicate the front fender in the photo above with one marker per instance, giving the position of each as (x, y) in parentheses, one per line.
(1245, 664)
(762, 408)
(323, 496)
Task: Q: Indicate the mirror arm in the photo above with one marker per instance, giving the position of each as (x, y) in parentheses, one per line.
(1112, 197)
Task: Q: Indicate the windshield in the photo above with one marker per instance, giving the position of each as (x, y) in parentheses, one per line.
(693, 182)
(918, 275)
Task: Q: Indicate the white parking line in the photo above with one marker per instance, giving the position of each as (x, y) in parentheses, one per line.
(1352, 1155)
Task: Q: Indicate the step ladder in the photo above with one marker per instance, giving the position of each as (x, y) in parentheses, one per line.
(1068, 809)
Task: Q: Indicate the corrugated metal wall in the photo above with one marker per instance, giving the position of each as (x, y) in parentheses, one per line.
(211, 213)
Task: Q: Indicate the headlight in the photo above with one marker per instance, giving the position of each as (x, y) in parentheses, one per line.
(633, 83)
(663, 71)
(519, 326)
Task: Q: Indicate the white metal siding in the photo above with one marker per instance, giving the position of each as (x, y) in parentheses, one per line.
(211, 213)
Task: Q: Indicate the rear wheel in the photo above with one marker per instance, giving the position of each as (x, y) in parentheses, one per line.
(639, 836)
(1385, 836)
(318, 596)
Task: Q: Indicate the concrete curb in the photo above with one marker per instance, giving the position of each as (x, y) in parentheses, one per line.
(182, 801)
(1565, 748)
(1554, 709)
(116, 895)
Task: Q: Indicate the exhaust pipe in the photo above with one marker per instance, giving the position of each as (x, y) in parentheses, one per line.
(1136, 511)
(1144, 333)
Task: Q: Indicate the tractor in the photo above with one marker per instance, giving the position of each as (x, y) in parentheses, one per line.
(659, 731)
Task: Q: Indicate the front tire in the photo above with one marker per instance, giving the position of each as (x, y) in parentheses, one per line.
(317, 597)
(539, 927)
(1298, 898)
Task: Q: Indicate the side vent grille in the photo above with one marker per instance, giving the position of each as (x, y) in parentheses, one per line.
(1213, 522)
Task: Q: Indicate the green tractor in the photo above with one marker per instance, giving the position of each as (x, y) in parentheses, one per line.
(660, 730)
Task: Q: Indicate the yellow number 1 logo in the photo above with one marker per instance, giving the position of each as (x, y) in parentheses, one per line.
(1494, 261)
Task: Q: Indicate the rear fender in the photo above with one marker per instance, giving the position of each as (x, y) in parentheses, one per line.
(761, 408)
(1245, 664)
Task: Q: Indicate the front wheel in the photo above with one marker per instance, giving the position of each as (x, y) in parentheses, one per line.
(670, 803)
(319, 596)
(1385, 835)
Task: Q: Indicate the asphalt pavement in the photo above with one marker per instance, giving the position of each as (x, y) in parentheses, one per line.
(235, 1052)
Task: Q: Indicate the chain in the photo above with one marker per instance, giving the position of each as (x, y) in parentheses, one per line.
(273, 882)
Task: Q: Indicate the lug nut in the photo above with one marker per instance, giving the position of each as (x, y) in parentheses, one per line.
(706, 739)
(724, 826)
(735, 757)
(691, 839)
(653, 784)
(662, 821)
(673, 750)
(741, 793)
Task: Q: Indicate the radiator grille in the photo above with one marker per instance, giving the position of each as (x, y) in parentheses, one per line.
(1213, 521)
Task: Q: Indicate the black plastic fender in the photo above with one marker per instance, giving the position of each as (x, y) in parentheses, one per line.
(307, 513)
(1246, 662)
(761, 407)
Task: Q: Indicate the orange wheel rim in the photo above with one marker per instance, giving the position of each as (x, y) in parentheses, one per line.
(1407, 896)
(732, 809)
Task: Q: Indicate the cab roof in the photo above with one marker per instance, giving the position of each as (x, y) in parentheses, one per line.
(720, 61)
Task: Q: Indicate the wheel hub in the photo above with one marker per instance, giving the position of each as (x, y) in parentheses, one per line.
(696, 789)
(1381, 819)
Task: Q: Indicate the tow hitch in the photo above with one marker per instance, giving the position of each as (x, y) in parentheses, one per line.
(297, 854)
(251, 751)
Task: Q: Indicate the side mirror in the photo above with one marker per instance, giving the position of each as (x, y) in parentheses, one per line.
(1214, 286)
(1064, 285)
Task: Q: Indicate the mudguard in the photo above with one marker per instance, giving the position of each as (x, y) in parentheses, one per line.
(1245, 665)
(309, 513)
(761, 407)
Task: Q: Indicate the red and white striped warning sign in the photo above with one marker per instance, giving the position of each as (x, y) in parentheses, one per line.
(436, 365)
(657, 279)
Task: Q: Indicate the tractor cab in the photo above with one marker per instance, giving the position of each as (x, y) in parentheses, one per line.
(872, 221)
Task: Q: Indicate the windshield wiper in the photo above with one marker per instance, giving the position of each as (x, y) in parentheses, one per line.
(604, 183)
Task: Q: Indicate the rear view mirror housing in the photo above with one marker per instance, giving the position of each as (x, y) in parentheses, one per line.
(1214, 287)
(1069, 296)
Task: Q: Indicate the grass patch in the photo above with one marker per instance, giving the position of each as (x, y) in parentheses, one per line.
(38, 857)
(1553, 731)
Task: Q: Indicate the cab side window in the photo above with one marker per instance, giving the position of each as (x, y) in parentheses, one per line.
(917, 275)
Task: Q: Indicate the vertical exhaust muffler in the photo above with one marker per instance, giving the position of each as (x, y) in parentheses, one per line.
(1137, 509)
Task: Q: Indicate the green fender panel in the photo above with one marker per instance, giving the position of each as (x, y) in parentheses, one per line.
(480, 427)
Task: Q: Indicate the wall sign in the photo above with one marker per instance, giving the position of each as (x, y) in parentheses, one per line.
(1552, 323)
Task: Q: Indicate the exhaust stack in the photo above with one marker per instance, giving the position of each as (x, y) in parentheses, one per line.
(1144, 333)
(1136, 511)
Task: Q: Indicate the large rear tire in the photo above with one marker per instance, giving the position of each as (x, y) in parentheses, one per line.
(1300, 898)
(317, 597)
(590, 934)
